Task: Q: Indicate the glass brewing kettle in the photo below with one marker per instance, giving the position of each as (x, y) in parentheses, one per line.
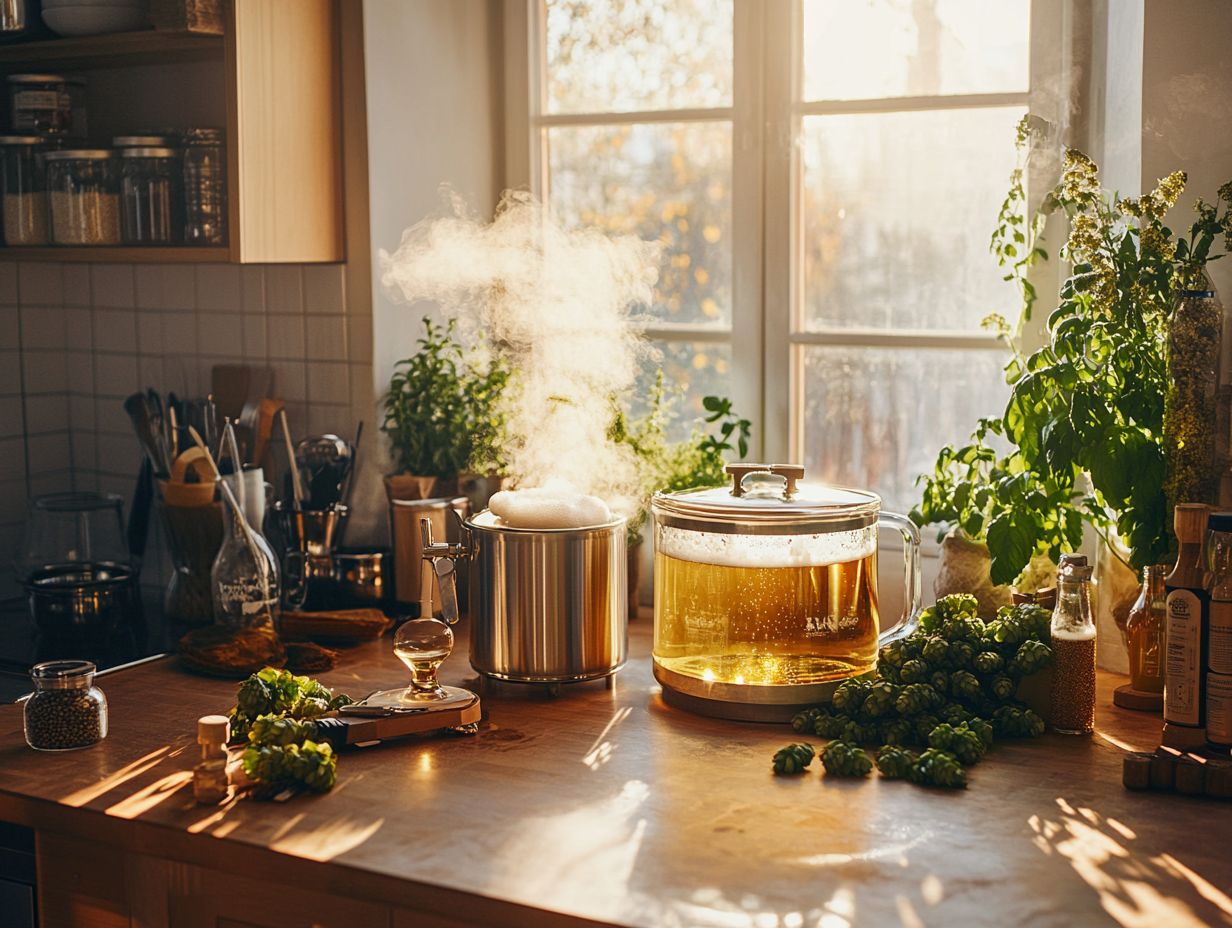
(766, 591)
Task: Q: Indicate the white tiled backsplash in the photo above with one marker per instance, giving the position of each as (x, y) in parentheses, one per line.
(75, 339)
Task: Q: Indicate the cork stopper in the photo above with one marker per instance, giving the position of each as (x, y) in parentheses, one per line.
(213, 729)
(1189, 522)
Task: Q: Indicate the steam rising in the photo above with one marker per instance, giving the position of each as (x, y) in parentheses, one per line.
(555, 304)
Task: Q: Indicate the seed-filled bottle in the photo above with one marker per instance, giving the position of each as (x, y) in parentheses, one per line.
(1219, 633)
(1073, 648)
(1187, 602)
(1144, 632)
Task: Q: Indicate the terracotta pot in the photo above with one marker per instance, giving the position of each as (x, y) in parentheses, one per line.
(411, 486)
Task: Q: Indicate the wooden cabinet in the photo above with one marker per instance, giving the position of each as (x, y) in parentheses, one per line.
(273, 80)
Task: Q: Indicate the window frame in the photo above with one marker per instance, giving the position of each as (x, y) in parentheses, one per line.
(767, 313)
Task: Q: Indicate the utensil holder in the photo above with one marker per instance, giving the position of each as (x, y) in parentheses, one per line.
(194, 535)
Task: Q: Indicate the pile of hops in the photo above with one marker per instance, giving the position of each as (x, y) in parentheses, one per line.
(948, 688)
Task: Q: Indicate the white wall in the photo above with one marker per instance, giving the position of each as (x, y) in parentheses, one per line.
(432, 73)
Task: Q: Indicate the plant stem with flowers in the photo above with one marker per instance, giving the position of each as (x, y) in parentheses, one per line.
(1086, 416)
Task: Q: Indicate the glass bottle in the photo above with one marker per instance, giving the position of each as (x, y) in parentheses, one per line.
(1073, 648)
(210, 782)
(1190, 415)
(205, 187)
(244, 579)
(1144, 632)
(1187, 604)
(1219, 633)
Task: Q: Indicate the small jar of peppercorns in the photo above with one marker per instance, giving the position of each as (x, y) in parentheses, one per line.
(66, 710)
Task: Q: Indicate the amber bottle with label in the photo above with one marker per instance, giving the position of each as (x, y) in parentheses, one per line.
(1185, 657)
(1218, 667)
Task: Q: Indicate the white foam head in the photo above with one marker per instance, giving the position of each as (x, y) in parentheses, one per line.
(551, 506)
(728, 550)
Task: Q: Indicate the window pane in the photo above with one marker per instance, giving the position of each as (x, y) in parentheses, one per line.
(625, 55)
(876, 417)
(914, 48)
(898, 209)
(699, 369)
(665, 182)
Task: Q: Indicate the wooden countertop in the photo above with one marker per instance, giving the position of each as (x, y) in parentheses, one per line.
(608, 806)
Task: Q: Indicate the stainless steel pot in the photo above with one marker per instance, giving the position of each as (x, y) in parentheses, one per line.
(546, 605)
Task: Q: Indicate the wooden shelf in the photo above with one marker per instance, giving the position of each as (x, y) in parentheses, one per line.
(115, 50)
(130, 254)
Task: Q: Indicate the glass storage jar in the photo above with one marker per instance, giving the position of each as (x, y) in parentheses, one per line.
(25, 189)
(66, 711)
(84, 197)
(48, 104)
(150, 196)
(205, 187)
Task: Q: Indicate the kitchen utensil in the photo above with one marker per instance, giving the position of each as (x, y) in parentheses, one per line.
(362, 575)
(149, 434)
(766, 591)
(313, 531)
(413, 587)
(325, 464)
(296, 490)
(546, 605)
(75, 567)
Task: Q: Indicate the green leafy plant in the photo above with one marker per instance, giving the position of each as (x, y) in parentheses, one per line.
(1085, 421)
(698, 461)
(442, 412)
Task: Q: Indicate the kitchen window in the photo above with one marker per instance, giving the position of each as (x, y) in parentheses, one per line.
(823, 175)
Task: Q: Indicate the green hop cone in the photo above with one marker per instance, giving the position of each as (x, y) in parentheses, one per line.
(921, 726)
(863, 733)
(1002, 687)
(916, 698)
(988, 662)
(844, 759)
(937, 768)
(964, 628)
(850, 696)
(830, 726)
(792, 759)
(806, 721)
(913, 670)
(930, 620)
(880, 699)
(965, 685)
(982, 728)
(895, 762)
(940, 681)
(958, 604)
(1017, 722)
(891, 655)
(959, 740)
(955, 713)
(961, 654)
(897, 731)
(936, 650)
(1031, 656)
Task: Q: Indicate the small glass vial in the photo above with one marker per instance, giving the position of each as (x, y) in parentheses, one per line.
(211, 784)
(1145, 632)
(150, 196)
(1073, 648)
(66, 711)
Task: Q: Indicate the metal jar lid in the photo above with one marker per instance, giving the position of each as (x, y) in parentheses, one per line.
(142, 141)
(79, 154)
(769, 499)
(63, 675)
(148, 153)
(22, 140)
(37, 79)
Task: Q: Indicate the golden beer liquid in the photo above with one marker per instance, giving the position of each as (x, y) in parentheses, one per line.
(766, 625)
